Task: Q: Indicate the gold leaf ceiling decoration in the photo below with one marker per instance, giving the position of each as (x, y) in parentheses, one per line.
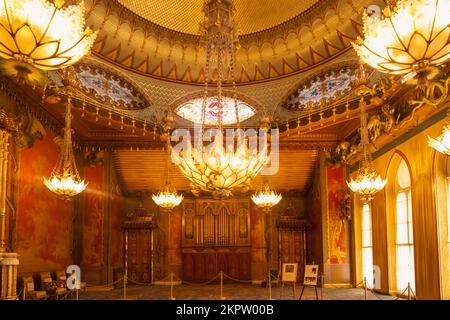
(278, 39)
(186, 15)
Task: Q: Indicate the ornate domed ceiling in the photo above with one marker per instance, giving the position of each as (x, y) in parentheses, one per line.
(186, 15)
(159, 39)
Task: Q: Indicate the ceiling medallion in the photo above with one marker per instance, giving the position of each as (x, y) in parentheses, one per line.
(220, 168)
(43, 35)
(409, 39)
(65, 181)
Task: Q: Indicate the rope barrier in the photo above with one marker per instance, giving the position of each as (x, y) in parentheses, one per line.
(197, 284)
(236, 280)
(20, 293)
(106, 286)
(139, 283)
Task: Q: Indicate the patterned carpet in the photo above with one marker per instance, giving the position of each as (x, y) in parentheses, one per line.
(230, 292)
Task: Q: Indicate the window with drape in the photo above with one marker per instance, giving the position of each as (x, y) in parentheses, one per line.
(367, 257)
(404, 230)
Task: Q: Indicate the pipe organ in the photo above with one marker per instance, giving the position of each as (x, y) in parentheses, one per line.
(215, 238)
(211, 223)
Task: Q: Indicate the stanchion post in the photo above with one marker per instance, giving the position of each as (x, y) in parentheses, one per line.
(322, 280)
(221, 286)
(409, 291)
(125, 276)
(365, 288)
(125, 287)
(171, 286)
(270, 285)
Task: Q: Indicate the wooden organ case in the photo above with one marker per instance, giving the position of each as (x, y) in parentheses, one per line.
(292, 237)
(215, 238)
(138, 246)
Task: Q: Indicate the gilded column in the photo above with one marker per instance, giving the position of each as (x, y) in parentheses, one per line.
(8, 280)
(4, 144)
(8, 261)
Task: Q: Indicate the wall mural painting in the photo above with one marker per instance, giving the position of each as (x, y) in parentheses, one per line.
(315, 219)
(44, 234)
(337, 227)
(93, 216)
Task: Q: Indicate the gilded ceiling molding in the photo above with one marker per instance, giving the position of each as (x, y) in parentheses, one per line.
(26, 107)
(162, 53)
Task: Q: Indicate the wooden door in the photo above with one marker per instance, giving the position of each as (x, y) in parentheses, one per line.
(293, 249)
(139, 255)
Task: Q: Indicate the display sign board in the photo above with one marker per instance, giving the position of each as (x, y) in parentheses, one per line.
(311, 275)
(289, 272)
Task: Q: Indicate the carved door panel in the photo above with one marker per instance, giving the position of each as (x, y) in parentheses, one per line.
(244, 266)
(233, 270)
(293, 249)
(188, 267)
(199, 267)
(211, 270)
(139, 255)
(222, 262)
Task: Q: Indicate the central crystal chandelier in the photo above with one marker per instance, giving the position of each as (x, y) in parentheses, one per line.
(167, 198)
(42, 34)
(65, 180)
(367, 181)
(409, 38)
(215, 168)
(266, 198)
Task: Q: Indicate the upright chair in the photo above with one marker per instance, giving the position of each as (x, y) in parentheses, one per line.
(30, 290)
(52, 287)
(62, 279)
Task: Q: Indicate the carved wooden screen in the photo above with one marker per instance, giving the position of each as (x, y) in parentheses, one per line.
(214, 223)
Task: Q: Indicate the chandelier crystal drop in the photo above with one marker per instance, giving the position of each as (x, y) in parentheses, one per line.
(65, 181)
(408, 39)
(367, 181)
(47, 35)
(266, 198)
(442, 143)
(216, 168)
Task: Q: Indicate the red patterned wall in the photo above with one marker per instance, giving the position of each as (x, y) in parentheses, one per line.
(44, 234)
(314, 213)
(93, 217)
(116, 236)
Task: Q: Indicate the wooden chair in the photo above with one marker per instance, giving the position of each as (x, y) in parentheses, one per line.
(51, 287)
(30, 291)
(62, 278)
